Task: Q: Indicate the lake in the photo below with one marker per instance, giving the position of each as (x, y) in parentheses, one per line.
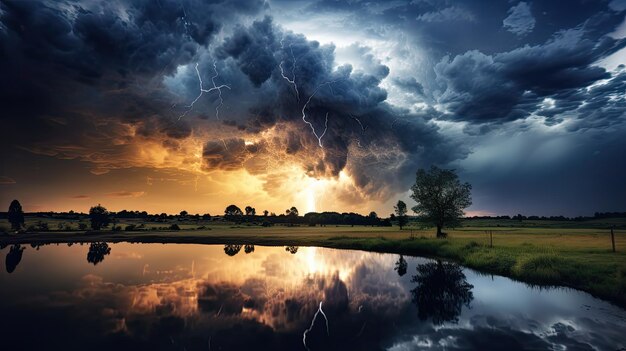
(241, 297)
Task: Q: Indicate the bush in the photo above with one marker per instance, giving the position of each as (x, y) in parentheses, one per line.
(130, 227)
(174, 227)
(82, 226)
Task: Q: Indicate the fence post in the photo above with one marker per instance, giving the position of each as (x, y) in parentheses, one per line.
(613, 239)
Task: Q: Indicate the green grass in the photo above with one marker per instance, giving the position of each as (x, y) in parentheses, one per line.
(576, 257)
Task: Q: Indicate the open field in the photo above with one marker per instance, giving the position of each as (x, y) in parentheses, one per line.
(576, 257)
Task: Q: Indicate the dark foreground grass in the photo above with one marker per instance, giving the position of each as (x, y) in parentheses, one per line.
(576, 258)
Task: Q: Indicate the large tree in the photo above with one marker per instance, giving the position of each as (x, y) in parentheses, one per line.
(440, 197)
(16, 215)
(99, 217)
(400, 209)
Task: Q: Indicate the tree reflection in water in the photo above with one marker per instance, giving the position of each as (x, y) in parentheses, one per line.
(232, 250)
(14, 257)
(248, 249)
(292, 249)
(401, 266)
(97, 251)
(441, 291)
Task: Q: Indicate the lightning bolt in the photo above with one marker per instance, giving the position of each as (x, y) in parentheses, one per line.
(202, 91)
(359, 122)
(319, 137)
(319, 310)
(291, 81)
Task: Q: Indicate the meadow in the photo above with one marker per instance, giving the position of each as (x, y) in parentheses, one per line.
(543, 253)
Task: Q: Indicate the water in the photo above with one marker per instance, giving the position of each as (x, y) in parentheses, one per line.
(210, 297)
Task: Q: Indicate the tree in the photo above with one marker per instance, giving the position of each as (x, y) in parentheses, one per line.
(250, 211)
(372, 218)
(233, 210)
(400, 209)
(440, 197)
(292, 212)
(16, 215)
(99, 217)
(265, 213)
(184, 213)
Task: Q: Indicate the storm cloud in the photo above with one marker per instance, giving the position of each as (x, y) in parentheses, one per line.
(366, 90)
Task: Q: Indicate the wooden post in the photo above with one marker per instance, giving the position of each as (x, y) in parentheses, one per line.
(613, 239)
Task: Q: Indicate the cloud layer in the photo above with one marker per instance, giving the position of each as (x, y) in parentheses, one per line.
(122, 85)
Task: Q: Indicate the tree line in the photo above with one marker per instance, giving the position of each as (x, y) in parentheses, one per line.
(439, 195)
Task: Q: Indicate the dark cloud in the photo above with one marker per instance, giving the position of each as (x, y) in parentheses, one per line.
(410, 84)
(102, 82)
(507, 86)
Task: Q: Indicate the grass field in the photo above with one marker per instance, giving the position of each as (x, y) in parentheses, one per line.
(580, 258)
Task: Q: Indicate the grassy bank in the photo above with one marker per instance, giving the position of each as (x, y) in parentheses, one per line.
(573, 257)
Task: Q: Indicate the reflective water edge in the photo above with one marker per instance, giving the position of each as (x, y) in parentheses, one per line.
(241, 297)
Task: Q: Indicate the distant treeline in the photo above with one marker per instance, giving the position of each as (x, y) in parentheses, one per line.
(312, 218)
(519, 217)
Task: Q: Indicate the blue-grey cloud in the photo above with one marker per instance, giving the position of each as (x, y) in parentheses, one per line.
(520, 20)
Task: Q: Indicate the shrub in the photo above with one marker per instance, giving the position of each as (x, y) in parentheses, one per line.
(174, 227)
(130, 227)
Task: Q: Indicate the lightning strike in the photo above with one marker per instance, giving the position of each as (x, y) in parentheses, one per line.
(202, 91)
(291, 81)
(359, 122)
(319, 137)
(319, 310)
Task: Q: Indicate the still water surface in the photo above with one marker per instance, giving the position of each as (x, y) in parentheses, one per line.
(211, 297)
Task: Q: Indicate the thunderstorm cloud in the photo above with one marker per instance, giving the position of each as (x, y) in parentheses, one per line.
(364, 90)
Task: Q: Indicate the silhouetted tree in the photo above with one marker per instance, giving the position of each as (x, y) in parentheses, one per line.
(97, 251)
(232, 250)
(233, 210)
(250, 211)
(372, 218)
(184, 213)
(441, 291)
(401, 266)
(266, 213)
(15, 215)
(440, 197)
(292, 249)
(293, 212)
(99, 217)
(400, 209)
(248, 249)
(14, 256)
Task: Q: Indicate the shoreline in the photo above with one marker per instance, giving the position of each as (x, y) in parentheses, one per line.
(603, 278)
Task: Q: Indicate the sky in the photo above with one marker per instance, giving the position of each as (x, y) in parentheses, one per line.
(327, 105)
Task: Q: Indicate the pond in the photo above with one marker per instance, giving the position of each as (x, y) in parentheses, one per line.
(240, 297)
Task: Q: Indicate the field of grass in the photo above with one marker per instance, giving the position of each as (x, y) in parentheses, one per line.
(580, 258)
